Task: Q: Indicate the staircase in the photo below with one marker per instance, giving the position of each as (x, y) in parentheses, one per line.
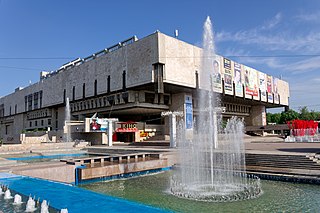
(283, 164)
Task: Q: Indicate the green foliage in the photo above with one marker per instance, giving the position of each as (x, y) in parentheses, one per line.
(284, 117)
(289, 116)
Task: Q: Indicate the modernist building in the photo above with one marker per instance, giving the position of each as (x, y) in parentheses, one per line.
(135, 81)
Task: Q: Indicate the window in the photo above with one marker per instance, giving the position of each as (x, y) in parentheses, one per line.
(64, 96)
(124, 80)
(40, 97)
(30, 123)
(15, 109)
(25, 103)
(10, 110)
(73, 93)
(7, 129)
(29, 102)
(36, 123)
(95, 88)
(35, 98)
(158, 77)
(84, 91)
(49, 121)
(108, 84)
(42, 122)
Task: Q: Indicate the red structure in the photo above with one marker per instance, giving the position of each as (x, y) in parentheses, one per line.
(303, 127)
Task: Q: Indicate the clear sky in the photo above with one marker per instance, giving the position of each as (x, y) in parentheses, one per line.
(278, 37)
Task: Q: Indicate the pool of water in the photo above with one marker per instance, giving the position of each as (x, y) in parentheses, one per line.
(153, 190)
(75, 199)
(34, 157)
(7, 206)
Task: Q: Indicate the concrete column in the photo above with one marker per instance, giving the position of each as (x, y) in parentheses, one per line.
(257, 116)
(173, 130)
(110, 133)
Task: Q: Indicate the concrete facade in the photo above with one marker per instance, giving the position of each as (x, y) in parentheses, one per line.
(133, 80)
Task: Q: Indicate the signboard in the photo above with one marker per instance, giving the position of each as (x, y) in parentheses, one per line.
(275, 90)
(238, 79)
(250, 77)
(228, 85)
(127, 127)
(262, 86)
(98, 124)
(188, 112)
(216, 78)
(269, 88)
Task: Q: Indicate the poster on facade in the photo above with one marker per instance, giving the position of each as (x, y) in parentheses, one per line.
(251, 79)
(98, 124)
(216, 78)
(275, 90)
(228, 84)
(238, 79)
(262, 86)
(188, 112)
(269, 88)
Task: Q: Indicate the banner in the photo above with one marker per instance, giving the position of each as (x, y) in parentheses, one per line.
(188, 112)
(217, 80)
(238, 79)
(262, 86)
(98, 124)
(275, 90)
(228, 85)
(269, 88)
(250, 77)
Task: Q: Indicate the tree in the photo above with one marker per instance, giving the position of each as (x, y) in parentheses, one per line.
(304, 113)
(288, 116)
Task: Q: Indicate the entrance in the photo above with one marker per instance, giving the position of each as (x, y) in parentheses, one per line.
(127, 131)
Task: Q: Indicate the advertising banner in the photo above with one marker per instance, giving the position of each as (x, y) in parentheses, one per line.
(269, 88)
(262, 86)
(238, 79)
(228, 84)
(275, 90)
(98, 124)
(251, 79)
(217, 80)
(188, 112)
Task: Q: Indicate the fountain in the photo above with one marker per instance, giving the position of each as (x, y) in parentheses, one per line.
(7, 195)
(212, 165)
(44, 207)
(67, 136)
(31, 205)
(17, 200)
(1, 190)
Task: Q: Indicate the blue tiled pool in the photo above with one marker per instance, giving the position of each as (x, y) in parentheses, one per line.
(74, 199)
(43, 158)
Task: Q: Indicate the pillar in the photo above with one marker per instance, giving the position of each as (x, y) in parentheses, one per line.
(173, 130)
(110, 133)
(257, 116)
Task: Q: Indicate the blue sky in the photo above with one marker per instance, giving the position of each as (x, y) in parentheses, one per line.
(38, 35)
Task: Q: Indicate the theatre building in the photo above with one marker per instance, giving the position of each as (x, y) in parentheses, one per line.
(133, 82)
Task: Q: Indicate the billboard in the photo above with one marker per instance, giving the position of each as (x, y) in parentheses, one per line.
(275, 90)
(98, 124)
(188, 112)
(269, 88)
(250, 81)
(217, 80)
(262, 86)
(238, 79)
(228, 84)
